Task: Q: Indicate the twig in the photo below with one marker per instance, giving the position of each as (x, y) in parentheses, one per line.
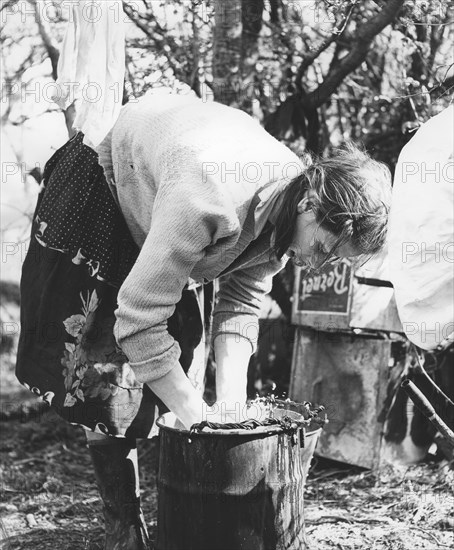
(423, 404)
(329, 519)
(329, 474)
(28, 460)
(422, 371)
(430, 535)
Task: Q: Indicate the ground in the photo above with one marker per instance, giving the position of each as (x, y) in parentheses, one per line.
(49, 498)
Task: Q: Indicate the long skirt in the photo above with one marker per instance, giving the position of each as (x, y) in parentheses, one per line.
(80, 253)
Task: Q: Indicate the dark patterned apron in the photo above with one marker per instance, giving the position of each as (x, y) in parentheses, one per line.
(80, 253)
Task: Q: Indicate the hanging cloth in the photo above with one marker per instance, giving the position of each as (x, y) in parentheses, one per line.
(91, 67)
(420, 243)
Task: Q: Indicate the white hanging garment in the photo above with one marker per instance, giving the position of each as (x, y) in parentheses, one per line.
(91, 67)
(420, 235)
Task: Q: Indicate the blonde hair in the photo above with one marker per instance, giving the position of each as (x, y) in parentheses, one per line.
(352, 198)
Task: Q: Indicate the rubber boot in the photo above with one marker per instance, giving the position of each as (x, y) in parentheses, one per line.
(116, 471)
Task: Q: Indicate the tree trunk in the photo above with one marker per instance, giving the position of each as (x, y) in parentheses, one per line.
(252, 14)
(227, 51)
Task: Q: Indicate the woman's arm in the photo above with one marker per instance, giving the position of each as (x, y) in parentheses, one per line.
(235, 328)
(232, 353)
(185, 221)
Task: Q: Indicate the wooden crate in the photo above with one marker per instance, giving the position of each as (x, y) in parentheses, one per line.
(348, 375)
(340, 358)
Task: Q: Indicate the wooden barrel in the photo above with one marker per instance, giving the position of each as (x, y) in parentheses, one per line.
(232, 490)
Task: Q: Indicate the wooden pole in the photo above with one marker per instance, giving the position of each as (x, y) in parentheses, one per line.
(419, 369)
(423, 404)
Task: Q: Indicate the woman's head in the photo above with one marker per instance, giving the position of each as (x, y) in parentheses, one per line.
(338, 207)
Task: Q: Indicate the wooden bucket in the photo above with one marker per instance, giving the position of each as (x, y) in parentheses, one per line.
(232, 489)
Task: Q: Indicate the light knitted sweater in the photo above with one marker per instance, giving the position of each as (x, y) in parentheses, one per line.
(197, 183)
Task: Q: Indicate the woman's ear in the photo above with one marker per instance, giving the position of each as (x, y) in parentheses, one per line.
(306, 203)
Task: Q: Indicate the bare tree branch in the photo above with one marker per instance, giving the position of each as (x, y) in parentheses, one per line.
(9, 81)
(158, 35)
(334, 37)
(443, 87)
(437, 34)
(360, 47)
(8, 4)
(49, 43)
(195, 80)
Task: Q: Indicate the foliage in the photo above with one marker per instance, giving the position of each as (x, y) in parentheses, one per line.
(314, 72)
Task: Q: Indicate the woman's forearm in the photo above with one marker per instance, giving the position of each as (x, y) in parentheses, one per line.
(232, 354)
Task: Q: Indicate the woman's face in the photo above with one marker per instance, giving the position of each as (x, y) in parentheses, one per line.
(311, 243)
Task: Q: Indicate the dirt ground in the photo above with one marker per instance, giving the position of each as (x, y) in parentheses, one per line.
(49, 499)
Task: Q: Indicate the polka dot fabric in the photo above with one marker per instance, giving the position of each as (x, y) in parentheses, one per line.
(78, 215)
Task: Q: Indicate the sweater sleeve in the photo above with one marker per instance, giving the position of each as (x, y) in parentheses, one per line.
(186, 219)
(240, 299)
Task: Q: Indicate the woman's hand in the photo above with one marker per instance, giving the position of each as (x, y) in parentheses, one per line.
(232, 359)
(179, 395)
